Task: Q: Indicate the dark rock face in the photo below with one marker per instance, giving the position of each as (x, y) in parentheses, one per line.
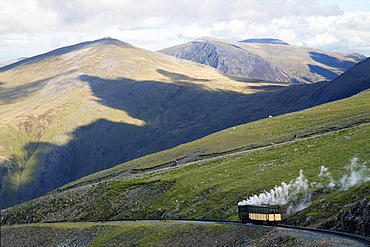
(266, 59)
(231, 60)
(355, 220)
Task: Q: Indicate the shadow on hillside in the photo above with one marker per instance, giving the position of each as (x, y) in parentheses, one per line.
(174, 113)
(10, 95)
(327, 74)
(177, 76)
(267, 87)
(331, 61)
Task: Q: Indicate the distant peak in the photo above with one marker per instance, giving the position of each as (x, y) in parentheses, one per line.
(63, 50)
(209, 38)
(107, 40)
(265, 41)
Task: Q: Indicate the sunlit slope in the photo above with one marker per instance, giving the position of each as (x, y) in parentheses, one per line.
(263, 59)
(84, 108)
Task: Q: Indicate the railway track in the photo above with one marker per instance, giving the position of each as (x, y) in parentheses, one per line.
(360, 238)
(363, 239)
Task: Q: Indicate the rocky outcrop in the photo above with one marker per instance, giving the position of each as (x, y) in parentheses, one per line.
(344, 211)
(353, 218)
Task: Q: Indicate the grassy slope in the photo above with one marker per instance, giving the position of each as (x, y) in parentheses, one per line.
(212, 189)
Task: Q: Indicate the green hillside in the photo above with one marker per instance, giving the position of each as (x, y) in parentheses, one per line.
(211, 178)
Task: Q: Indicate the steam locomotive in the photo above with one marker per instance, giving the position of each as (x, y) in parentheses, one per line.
(260, 214)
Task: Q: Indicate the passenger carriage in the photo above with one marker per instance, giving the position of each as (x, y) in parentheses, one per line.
(269, 214)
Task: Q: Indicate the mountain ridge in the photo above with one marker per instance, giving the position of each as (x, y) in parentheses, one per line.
(295, 63)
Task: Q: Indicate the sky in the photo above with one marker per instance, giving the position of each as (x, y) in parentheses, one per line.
(32, 27)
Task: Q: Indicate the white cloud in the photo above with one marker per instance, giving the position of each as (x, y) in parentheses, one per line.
(156, 24)
(322, 40)
(25, 16)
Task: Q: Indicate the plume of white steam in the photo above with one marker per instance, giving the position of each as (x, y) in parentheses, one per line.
(298, 192)
(280, 195)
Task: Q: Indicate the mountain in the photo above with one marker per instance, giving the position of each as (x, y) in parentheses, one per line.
(88, 107)
(266, 59)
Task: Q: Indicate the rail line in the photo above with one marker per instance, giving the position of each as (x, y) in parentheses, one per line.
(360, 238)
(363, 239)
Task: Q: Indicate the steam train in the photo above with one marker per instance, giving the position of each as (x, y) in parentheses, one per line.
(260, 214)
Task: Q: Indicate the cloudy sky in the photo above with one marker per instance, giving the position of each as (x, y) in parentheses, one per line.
(32, 27)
